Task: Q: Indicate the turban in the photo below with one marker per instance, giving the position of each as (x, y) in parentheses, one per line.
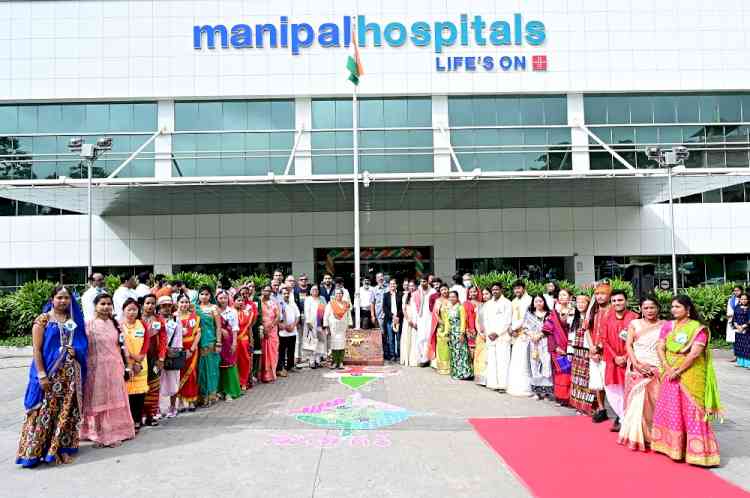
(604, 287)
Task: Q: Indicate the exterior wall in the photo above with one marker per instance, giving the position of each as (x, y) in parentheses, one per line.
(60, 241)
(144, 49)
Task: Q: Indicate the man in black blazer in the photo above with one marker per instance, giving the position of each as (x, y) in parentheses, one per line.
(393, 318)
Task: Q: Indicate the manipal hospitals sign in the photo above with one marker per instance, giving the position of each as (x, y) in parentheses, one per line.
(468, 31)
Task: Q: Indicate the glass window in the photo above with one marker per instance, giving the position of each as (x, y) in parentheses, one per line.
(709, 108)
(641, 110)
(461, 113)
(210, 115)
(97, 117)
(595, 110)
(27, 119)
(50, 118)
(508, 111)
(688, 109)
(730, 108)
(712, 196)
(735, 193)
(532, 111)
(618, 111)
(665, 109)
(234, 116)
(8, 118)
(186, 116)
(120, 117)
(737, 267)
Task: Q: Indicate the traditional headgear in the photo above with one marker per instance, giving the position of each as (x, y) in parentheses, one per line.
(604, 287)
(164, 300)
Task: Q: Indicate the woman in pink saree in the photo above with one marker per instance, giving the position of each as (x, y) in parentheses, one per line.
(689, 397)
(270, 316)
(641, 377)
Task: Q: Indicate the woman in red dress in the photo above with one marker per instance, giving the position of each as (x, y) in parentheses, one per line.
(247, 312)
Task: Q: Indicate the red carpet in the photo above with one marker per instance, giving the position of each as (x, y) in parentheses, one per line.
(561, 457)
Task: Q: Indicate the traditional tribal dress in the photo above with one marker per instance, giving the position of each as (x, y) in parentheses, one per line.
(687, 404)
(582, 398)
(135, 342)
(454, 320)
(189, 374)
(208, 361)
(106, 410)
(540, 359)
(558, 338)
(742, 338)
(641, 391)
(53, 417)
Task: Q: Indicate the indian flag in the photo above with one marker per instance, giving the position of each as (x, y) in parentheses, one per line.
(354, 65)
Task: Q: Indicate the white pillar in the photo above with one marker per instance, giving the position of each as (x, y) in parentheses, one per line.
(584, 269)
(441, 142)
(303, 120)
(578, 138)
(163, 143)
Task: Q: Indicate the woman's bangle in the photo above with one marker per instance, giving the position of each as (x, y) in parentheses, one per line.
(41, 375)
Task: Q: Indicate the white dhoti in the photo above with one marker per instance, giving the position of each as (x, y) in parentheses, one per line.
(730, 333)
(498, 364)
(596, 374)
(616, 398)
(424, 332)
(519, 380)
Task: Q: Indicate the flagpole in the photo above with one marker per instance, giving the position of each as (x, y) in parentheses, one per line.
(355, 178)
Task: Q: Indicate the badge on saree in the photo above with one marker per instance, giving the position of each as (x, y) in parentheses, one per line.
(70, 325)
(156, 326)
(681, 338)
(624, 334)
(191, 323)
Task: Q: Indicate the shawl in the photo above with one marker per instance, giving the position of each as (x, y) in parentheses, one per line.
(339, 308)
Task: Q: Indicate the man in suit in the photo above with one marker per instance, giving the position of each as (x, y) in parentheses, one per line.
(393, 317)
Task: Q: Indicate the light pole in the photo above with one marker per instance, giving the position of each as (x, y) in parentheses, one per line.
(669, 159)
(89, 153)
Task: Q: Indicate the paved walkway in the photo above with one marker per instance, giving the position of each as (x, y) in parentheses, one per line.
(255, 446)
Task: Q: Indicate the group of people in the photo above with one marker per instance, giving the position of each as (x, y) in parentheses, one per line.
(657, 376)
(738, 324)
(107, 366)
(118, 362)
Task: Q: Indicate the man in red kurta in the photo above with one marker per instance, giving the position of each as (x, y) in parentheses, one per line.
(615, 354)
(597, 326)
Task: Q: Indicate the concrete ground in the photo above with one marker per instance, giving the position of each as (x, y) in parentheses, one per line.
(255, 447)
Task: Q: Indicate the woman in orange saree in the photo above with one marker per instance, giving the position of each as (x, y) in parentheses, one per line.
(689, 396)
(246, 314)
(191, 336)
(270, 315)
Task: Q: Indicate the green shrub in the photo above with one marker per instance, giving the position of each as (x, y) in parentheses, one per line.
(111, 283)
(23, 306)
(258, 279)
(195, 280)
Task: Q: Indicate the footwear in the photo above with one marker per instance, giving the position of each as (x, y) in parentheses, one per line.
(283, 373)
(600, 416)
(191, 409)
(616, 426)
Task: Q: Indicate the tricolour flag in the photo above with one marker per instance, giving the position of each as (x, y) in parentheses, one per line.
(354, 65)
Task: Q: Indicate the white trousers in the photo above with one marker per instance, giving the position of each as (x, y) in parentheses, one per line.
(498, 364)
(616, 398)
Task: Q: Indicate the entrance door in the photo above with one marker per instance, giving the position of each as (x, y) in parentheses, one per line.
(397, 262)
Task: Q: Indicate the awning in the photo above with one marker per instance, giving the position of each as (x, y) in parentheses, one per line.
(149, 196)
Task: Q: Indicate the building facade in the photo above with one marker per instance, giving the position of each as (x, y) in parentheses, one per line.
(490, 136)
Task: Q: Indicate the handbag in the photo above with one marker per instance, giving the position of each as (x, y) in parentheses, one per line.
(176, 358)
(563, 364)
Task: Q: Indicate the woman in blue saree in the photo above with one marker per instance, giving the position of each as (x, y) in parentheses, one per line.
(54, 394)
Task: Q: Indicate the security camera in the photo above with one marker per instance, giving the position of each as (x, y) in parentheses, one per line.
(366, 179)
(75, 144)
(104, 143)
(653, 153)
(681, 152)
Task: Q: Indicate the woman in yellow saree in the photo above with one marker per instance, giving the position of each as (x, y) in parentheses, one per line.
(689, 396)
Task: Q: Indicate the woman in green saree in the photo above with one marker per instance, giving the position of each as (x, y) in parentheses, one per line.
(689, 397)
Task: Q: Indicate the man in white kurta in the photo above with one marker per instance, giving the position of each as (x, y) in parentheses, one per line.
(424, 319)
(519, 380)
(498, 317)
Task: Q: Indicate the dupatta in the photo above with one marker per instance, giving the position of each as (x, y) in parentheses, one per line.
(339, 308)
(679, 341)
